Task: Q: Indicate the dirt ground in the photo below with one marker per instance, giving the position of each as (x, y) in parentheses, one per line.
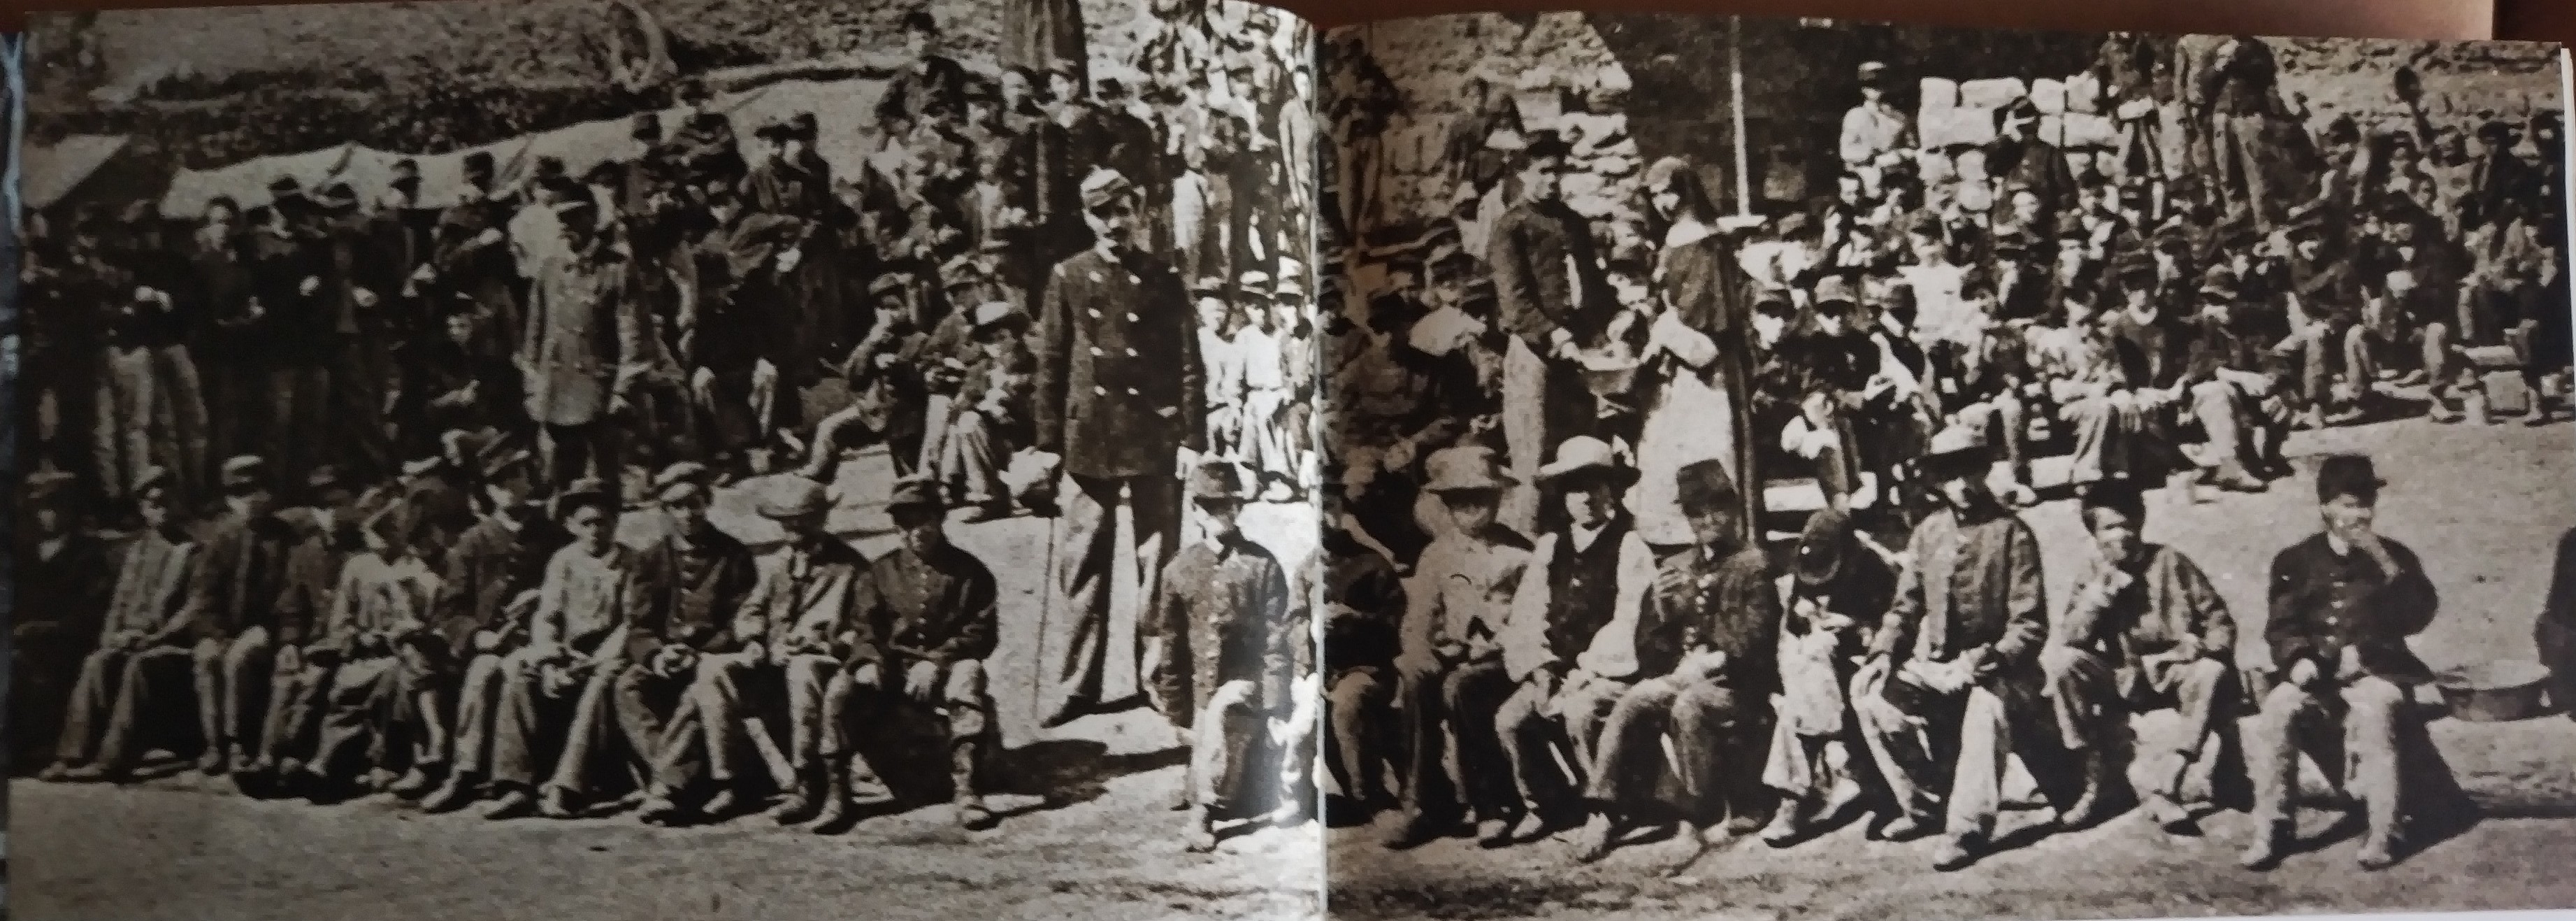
(1087, 835)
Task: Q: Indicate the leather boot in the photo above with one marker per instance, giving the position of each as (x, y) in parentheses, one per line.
(836, 815)
(962, 761)
(804, 801)
(2096, 803)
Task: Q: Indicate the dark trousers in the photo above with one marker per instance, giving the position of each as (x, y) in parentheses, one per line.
(115, 688)
(1450, 707)
(1717, 734)
(1365, 737)
(576, 451)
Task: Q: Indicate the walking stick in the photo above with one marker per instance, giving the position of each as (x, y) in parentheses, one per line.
(1046, 607)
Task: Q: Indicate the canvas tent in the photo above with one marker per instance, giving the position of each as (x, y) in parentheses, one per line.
(845, 108)
(49, 173)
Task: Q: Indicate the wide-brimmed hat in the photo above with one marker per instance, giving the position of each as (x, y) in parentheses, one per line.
(1467, 468)
(1822, 545)
(2348, 475)
(337, 196)
(1957, 450)
(2219, 283)
(1584, 459)
(1702, 485)
(794, 497)
(1218, 481)
(915, 492)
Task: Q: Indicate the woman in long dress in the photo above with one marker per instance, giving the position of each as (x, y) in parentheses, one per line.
(1699, 341)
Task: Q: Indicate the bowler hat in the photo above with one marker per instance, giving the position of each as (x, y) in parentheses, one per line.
(478, 163)
(2122, 496)
(2219, 282)
(1208, 286)
(1705, 486)
(774, 129)
(1546, 145)
(1956, 451)
(1583, 459)
(647, 126)
(2134, 263)
(337, 196)
(803, 127)
(1218, 481)
(2497, 132)
(2348, 475)
(1466, 468)
(794, 497)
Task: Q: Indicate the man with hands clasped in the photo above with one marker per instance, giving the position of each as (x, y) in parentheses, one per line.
(2343, 603)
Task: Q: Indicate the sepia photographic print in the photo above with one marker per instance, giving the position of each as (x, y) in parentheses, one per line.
(1866, 471)
(685, 460)
(606, 459)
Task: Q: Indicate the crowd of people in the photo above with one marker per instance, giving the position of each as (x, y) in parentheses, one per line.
(1550, 601)
(341, 493)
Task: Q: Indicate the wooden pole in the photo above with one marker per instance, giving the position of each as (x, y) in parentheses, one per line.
(1735, 93)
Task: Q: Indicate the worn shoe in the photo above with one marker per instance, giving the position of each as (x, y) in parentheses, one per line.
(722, 805)
(516, 804)
(2410, 378)
(450, 796)
(1418, 829)
(2269, 843)
(58, 772)
(1593, 842)
(658, 809)
(1845, 793)
(1181, 799)
(1494, 833)
(213, 761)
(836, 815)
(237, 758)
(2171, 816)
(1957, 852)
(555, 803)
(972, 816)
(1785, 828)
(1201, 837)
(89, 773)
(1905, 827)
(378, 780)
(2378, 852)
(801, 803)
(412, 784)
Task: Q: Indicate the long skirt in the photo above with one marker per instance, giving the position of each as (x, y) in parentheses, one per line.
(1696, 416)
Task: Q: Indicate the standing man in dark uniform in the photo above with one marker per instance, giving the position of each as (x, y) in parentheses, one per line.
(1119, 396)
(1555, 300)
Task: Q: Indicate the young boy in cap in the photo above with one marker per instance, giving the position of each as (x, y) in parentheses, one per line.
(992, 423)
(2343, 602)
(232, 609)
(1708, 634)
(1951, 653)
(803, 618)
(492, 575)
(700, 579)
(1222, 616)
(1841, 585)
(1450, 676)
(1363, 601)
(1567, 665)
(2144, 630)
(925, 622)
(131, 672)
(575, 649)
